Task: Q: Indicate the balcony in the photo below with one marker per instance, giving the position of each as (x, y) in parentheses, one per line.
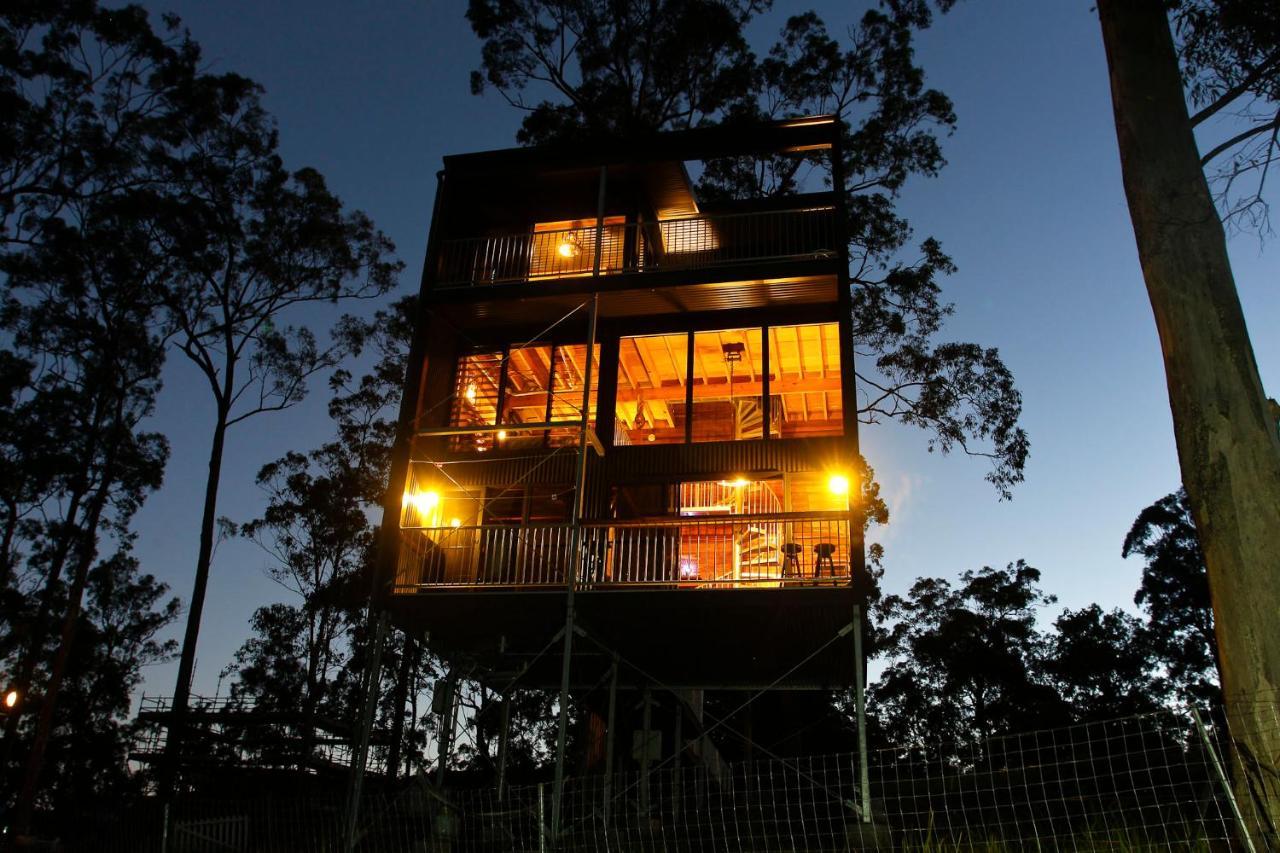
(764, 550)
(566, 250)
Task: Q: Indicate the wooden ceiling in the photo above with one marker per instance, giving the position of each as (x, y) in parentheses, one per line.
(804, 366)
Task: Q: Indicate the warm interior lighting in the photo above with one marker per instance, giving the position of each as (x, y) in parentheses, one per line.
(455, 522)
(838, 484)
(569, 247)
(739, 483)
(422, 502)
(471, 393)
(502, 435)
(11, 699)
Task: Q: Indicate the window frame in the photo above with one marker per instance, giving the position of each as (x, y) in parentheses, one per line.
(503, 352)
(766, 374)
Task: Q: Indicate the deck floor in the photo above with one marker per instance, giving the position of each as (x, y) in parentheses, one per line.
(724, 639)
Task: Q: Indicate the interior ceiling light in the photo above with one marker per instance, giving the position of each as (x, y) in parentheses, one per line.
(569, 247)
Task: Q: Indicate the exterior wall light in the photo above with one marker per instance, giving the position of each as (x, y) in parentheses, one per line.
(838, 484)
(423, 503)
(11, 699)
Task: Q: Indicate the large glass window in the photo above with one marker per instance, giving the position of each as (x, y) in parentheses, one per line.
(729, 375)
(475, 398)
(527, 394)
(728, 383)
(567, 376)
(805, 381)
(652, 378)
(568, 247)
(530, 384)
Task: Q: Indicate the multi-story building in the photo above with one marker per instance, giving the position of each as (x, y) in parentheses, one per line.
(633, 415)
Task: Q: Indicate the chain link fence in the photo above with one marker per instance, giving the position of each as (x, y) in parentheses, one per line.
(1151, 782)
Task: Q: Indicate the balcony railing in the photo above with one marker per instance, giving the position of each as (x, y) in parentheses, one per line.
(709, 552)
(675, 244)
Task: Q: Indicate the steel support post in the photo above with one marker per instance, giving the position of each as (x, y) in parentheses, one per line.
(610, 736)
(646, 731)
(369, 706)
(860, 704)
(446, 727)
(504, 738)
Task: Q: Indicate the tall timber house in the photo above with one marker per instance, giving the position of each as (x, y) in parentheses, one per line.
(629, 433)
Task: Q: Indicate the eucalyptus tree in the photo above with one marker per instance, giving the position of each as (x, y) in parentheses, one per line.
(83, 117)
(599, 69)
(257, 243)
(1227, 438)
(1174, 593)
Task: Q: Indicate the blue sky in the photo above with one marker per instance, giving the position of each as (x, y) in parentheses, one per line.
(1030, 207)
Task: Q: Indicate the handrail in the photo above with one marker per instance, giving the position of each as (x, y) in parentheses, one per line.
(638, 247)
(705, 551)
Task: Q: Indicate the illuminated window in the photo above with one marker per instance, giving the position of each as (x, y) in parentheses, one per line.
(533, 384)
(475, 398)
(566, 390)
(651, 390)
(728, 384)
(568, 247)
(804, 374)
(527, 395)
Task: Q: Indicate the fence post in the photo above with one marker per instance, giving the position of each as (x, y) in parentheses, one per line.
(1222, 780)
(860, 706)
(542, 823)
(503, 747)
(164, 828)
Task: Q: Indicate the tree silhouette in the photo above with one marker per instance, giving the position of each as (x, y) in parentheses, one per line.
(594, 68)
(256, 243)
(1175, 595)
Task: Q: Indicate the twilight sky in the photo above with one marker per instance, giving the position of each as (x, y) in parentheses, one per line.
(1030, 207)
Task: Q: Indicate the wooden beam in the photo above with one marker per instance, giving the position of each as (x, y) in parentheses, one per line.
(740, 389)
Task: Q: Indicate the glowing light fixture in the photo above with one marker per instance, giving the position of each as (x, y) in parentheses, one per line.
(502, 435)
(838, 484)
(11, 699)
(569, 247)
(471, 393)
(455, 522)
(423, 503)
(739, 483)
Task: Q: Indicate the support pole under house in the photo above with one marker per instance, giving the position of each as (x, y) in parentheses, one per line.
(579, 507)
(860, 705)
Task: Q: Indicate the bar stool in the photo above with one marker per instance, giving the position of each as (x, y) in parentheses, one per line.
(791, 560)
(824, 553)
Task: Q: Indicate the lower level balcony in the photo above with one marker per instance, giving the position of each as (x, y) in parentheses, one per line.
(770, 550)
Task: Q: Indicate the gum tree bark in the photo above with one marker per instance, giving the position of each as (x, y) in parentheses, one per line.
(1228, 447)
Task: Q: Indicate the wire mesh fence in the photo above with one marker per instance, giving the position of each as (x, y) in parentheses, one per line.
(1167, 780)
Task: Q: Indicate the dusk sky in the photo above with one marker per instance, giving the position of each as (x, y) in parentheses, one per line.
(1030, 207)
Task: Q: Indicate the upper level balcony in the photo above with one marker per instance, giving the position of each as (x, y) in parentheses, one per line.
(579, 248)
(649, 224)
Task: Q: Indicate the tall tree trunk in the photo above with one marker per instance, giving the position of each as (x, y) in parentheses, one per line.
(39, 626)
(186, 665)
(1227, 446)
(88, 552)
(408, 653)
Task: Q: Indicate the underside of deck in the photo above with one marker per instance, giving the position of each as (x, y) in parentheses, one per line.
(720, 639)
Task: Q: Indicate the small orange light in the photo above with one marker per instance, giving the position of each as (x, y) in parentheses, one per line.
(502, 435)
(11, 699)
(455, 522)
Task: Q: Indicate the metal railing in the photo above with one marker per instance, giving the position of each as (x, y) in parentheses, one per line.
(707, 552)
(675, 244)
